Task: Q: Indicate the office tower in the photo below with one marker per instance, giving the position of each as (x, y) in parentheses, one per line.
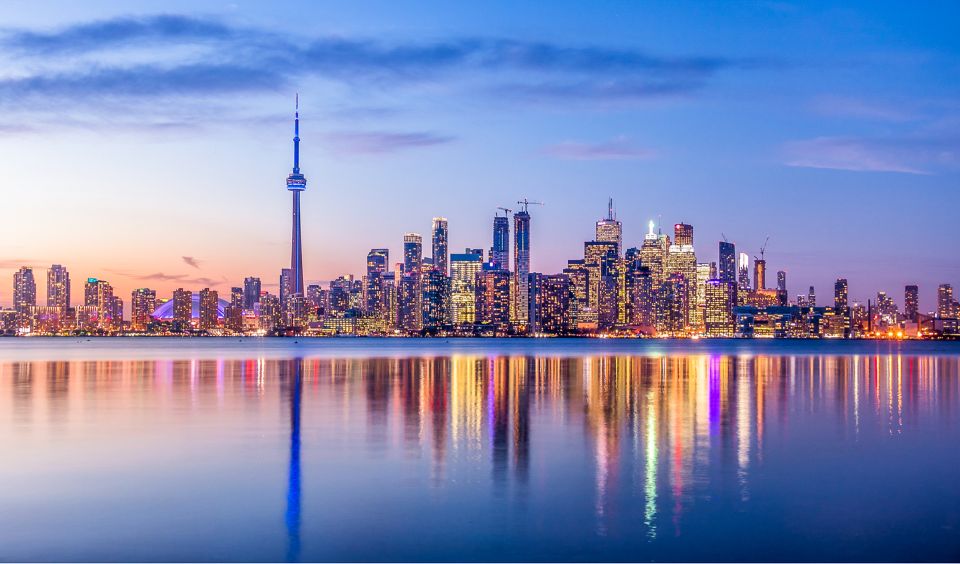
(911, 302)
(286, 286)
(672, 306)
(705, 271)
(440, 238)
(840, 294)
(251, 292)
(521, 258)
(550, 304)
(652, 256)
(464, 268)
(436, 300)
(743, 272)
(182, 310)
(682, 261)
(24, 292)
(728, 262)
(268, 311)
(58, 287)
(812, 297)
(683, 234)
(409, 311)
(375, 302)
(143, 302)
(493, 301)
(209, 300)
(296, 183)
(295, 314)
(98, 298)
(599, 258)
(579, 277)
(412, 254)
(782, 295)
(500, 252)
(610, 230)
(642, 297)
(759, 274)
(340, 290)
(945, 302)
(720, 297)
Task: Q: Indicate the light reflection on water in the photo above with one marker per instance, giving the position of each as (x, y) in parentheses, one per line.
(700, 456)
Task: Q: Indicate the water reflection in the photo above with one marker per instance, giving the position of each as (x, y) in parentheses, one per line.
(656, 438)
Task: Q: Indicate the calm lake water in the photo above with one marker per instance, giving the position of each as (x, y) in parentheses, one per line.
(482, 450)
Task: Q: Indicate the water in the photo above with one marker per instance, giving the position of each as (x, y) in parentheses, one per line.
(482, 450)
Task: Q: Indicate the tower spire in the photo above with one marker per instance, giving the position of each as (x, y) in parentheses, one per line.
(296, 135)
(610, 215)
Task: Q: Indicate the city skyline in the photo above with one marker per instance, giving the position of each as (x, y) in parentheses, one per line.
(200, 163)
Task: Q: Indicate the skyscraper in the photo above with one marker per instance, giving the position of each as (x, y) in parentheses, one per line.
(493, 300)
(720, 297)
(24, 291)
(812, 297)
(286, 286)
(521, 258)
(251, 292)
(911, 301)
(743, 272)
(728, 262)
(375, 302)
(840, 301)
(782, 296)
(410, 298)
(209, 300)
(652, 256)
(58, 287)
(945, 303)
(182, 310)
(610, 230)
(500, 252)
(143, 302)
(683, 234)
(464, 268)
(296, 183)
(98, 298)
(440, 238)
(759, 274)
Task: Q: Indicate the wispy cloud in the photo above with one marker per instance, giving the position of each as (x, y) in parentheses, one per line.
(95, 67)
(191, 261)
(379, 142)
(182, 278)
(620, 148)
(909, 154)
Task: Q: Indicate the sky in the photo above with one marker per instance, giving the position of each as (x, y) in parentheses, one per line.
(148, 143)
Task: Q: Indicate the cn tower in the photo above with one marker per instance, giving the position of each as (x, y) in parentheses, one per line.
(296, 183)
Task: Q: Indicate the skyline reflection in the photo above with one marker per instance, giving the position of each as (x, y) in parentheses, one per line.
(663, 442)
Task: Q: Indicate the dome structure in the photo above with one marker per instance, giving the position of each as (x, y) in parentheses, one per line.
(165, 311)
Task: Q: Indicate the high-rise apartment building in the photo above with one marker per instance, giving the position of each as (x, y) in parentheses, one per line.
(24, 291)
(251, 292)
(945, 302)
(440, 241)
(182, 310)
(58, 287)
(743, 272)
(720, 298)
(464, 268)
(840, 300)
(911, 302)
(500, 251)
(521, 270)
(375, 291)
(493, 301)
(728, 262)
(143, 302)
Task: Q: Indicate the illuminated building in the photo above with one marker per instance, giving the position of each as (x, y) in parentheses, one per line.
(233, 315)
(887, 313)
(683, 234)
(375, 299)
(705, 271)
(251, 292)
(341, 290)
(610, 230)
(296, 183)
(911, 301)
(599, 258)
(182, 310)
(720, 299)
(47, 320)
(743, 272)
(642, 296)
(521, 258)
(464, 268)
(550, 304)
(500, 251)
(840, 301)
(672, 306)
(24, 294)
(782, 295)
(812, 297)
(493, 301)
(409, 314)
(579, 277)
(945, 301)
(143, 302)
(652, 256)
(268, 311)
(286, 285)
(759, 274)
(58, 287)
(436, 300)
(682, 261)
(296, 312)
(728, 262)
(98, 297)
(440, 238)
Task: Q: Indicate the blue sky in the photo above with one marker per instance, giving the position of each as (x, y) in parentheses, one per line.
(135, 135)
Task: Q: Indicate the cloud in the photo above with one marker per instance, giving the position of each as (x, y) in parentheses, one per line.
(379, 142)
(100, 66)
(182, 278)
(917, 154)
(620, 148)
(16, 264)
(191, 261)
(839, 106)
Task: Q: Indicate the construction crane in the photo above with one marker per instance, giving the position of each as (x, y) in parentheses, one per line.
(763, 249)
(525, 202)
(506, 211)
(724, 235)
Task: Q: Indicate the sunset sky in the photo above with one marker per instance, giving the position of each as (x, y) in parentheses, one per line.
(149, 147)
